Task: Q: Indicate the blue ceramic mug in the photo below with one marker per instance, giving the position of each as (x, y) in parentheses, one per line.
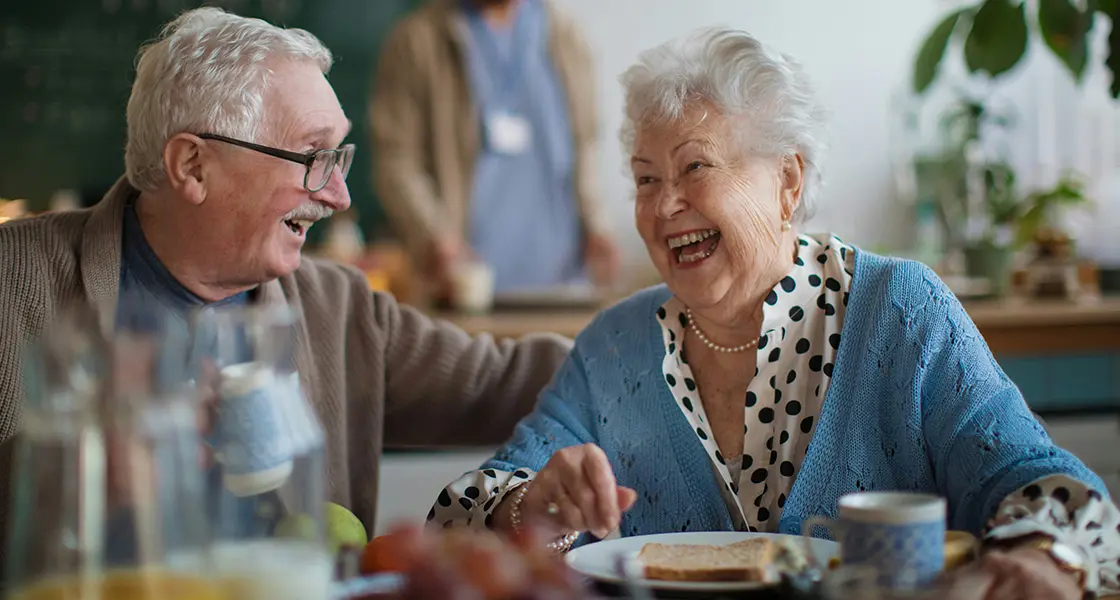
(262, 424)
(901, 535)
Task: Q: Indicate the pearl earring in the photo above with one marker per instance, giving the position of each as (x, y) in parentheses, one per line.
(786, 226)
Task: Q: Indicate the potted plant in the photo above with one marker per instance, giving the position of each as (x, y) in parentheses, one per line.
(1012, 222)
(967, 124)
(990, 242)
(993, 36)
(1038, 225)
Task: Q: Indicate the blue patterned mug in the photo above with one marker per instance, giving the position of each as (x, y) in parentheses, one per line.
(899, 534)
(262, 423)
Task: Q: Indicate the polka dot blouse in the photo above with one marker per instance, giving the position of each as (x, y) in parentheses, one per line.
(803, 318)
(801, 322)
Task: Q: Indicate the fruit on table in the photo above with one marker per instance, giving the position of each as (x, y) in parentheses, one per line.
(470, 564)
(383, 554)
(343, 528)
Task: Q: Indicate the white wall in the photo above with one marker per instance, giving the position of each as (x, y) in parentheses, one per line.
(859, 54)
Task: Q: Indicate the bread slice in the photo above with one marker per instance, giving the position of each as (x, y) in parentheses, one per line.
(758, 550)
(748, 560)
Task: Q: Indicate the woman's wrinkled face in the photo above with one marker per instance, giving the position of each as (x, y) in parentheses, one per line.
(709, 210)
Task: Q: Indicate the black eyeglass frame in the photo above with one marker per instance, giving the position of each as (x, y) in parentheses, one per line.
(306, 159)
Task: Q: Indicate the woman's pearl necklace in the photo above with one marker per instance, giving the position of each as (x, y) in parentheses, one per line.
(710, 343)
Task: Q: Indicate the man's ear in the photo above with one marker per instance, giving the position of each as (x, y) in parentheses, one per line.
(182, 161)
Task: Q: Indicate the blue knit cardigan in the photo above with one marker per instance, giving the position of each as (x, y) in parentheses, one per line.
(916, 402)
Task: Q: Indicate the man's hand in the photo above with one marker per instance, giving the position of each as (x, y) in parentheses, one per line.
(445, 253)
(602, 257)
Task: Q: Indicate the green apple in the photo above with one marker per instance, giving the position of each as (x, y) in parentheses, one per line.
(343, 528)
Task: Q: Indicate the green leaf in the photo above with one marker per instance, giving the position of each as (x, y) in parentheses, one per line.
(1065, 29)
(1029, 224)
(933, 49)
(998, 38)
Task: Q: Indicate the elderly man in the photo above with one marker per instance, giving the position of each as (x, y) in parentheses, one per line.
(234, 151)
(484, 122)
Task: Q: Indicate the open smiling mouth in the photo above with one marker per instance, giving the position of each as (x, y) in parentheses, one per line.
(298, 226)
(695, 246)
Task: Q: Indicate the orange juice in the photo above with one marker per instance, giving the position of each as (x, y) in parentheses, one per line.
(124, 585)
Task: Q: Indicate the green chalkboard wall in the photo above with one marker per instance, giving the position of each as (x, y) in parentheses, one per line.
(66, 67)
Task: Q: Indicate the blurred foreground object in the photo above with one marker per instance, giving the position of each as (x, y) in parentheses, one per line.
(470, 564)
(268, 447)
(154, 462)
(107, 500)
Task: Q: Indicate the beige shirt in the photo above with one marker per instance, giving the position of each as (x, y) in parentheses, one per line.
(377, 373)
(426, 125)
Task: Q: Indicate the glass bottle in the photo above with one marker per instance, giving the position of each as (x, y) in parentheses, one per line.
(108, 492)
(267, 491)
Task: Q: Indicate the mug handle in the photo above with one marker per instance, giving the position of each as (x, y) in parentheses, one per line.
(807, 537)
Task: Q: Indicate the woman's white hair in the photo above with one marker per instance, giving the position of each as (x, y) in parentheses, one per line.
(739, 76)
(206, 73)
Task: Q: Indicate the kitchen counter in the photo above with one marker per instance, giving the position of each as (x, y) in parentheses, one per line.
(1009, 326)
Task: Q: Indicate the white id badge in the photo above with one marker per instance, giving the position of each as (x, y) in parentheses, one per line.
(508, 133)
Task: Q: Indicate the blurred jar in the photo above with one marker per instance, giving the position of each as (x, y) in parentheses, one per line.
(108, 492)
(267, 491)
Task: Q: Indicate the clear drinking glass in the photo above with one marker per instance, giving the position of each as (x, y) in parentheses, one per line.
(108, 488)
(267, 491)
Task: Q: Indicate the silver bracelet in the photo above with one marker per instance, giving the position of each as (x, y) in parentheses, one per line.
(559, 546)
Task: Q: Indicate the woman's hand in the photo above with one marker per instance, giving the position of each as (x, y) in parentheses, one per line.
(1016, 574)
(576, 491)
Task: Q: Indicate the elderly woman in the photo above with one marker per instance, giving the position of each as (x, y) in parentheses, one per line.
(774, 371)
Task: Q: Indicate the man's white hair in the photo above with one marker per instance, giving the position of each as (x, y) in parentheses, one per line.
(740, 77)
(206, 73)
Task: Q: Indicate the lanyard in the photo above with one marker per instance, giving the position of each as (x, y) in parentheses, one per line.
(499, 77)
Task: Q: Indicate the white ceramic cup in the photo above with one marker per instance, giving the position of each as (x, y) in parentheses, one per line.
(472, 287)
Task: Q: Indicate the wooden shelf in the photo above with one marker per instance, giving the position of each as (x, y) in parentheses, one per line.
(1048, 327)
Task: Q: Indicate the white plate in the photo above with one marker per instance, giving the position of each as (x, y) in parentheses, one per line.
(597, 561)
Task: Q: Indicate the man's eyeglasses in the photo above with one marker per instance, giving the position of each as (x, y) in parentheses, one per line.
(319, 164)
